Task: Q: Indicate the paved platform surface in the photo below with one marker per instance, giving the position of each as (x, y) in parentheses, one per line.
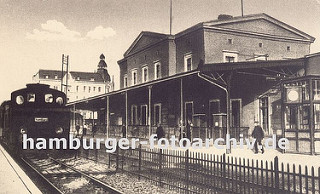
(12, 178)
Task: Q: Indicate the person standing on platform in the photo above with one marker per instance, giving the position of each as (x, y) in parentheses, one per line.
(77, 129)
(258, 134)
(160, 132)
(94, 129)
(188, 128)
(124, 131)
(85, 127)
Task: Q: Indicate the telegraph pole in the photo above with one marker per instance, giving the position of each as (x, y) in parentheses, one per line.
(65, 66)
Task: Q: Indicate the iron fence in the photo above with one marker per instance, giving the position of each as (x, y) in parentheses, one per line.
(194, 172)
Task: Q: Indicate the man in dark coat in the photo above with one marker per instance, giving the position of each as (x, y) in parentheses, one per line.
(124, 131)
(160, 132)
(258, 134)
(94, 129)
(188, 128)
(77, 129)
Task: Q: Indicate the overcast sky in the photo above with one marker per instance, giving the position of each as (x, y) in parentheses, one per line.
(35, 33)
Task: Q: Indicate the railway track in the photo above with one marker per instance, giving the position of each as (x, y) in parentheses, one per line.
(62, 178)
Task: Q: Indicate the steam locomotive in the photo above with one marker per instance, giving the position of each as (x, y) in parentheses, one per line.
(37, 111)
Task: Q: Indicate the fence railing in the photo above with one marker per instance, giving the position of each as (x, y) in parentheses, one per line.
(193, 172)
(142, 131)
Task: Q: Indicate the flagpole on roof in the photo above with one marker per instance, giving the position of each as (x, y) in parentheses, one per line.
(170, 17)
(242, 8)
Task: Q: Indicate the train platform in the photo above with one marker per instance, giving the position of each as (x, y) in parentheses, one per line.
(269, 155)
(12, 178)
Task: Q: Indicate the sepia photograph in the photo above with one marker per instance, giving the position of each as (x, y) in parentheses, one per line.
(160, 96)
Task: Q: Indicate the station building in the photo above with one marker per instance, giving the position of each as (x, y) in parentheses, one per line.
(223, 75)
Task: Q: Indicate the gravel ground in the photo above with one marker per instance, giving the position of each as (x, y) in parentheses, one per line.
(121, 181)
(86, 165)
(131, 184)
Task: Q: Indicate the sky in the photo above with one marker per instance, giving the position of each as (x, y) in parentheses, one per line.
(35, 33)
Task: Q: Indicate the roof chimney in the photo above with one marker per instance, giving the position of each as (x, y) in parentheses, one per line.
(225, 17)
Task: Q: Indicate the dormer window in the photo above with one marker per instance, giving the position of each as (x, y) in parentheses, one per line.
(78, 78)
(260, 44)
(55, 76)
(46, 76)
(288, 48)
(92, 79)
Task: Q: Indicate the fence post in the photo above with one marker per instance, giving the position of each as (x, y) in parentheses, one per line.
(187, 170)
(95, 152)
(109, 157)
(160, 167)
(117, 158)
(139, 168)
(224, 171)
(276, 173)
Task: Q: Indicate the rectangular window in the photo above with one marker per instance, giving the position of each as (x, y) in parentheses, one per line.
(260, 44)
(89, 89)
(84, 88)
(157, 70)
(297, 117)
(288, 48)
(99, 89)
(188, 62)
(316, 109)
(134, 114)
(144, 74)
(230, 56)
(230, 59)
(77, 88)
(188, 110)
(230, 41)
(264, 112)
(157, 114)
(94, 89)
(125, 81)
(134, 77)
(144, 114)
(214, 108)
(316, 89)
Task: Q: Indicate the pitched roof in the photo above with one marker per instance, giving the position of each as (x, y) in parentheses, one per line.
(222, 24)
(83, 76)
(86, 76)
(153, 36)
(50, 73)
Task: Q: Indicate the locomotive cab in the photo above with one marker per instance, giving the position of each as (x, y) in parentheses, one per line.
(39, 112)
